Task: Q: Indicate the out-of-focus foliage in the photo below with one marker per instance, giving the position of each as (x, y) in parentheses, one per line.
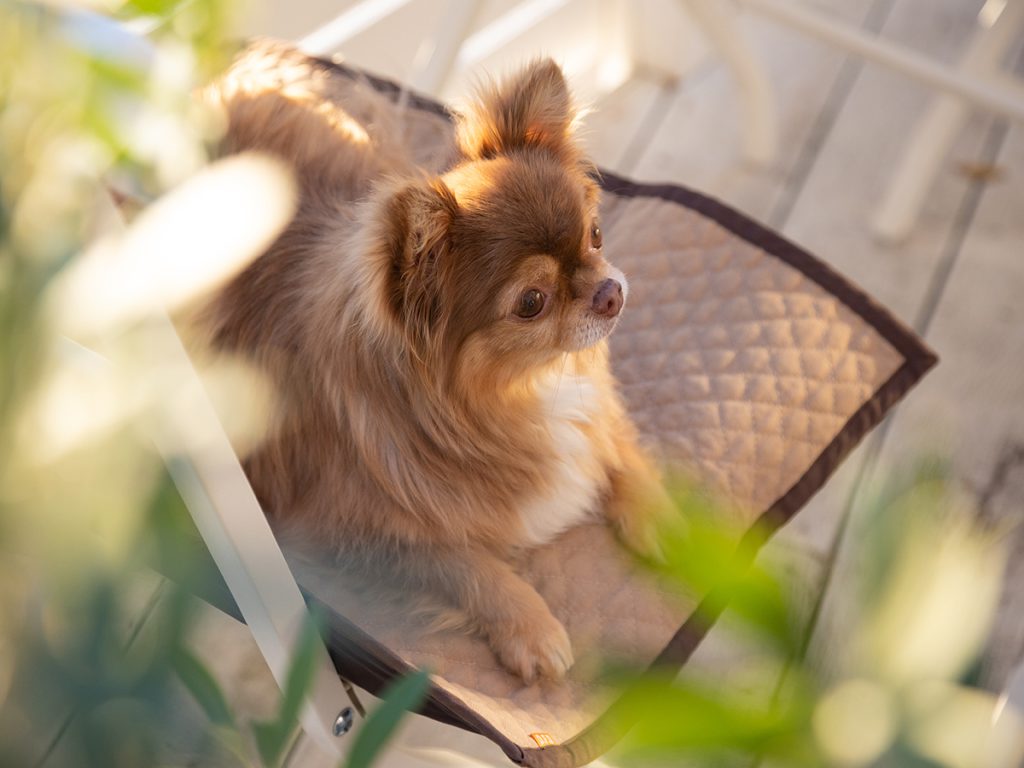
(891, 690)
(87, 378)
(404, 695)
(94, 657)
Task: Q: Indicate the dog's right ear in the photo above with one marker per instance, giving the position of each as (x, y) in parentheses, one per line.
(420, 215)
(532, 108)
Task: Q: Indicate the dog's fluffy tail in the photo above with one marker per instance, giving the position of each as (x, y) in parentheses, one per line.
(335, 132)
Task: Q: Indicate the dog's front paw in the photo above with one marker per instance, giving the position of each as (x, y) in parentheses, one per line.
(536, 649)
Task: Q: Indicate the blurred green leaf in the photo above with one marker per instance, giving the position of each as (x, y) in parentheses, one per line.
(402, 696)
(69, 615)
(273, 737)
(271, 740)
(908, 501)
(710, 556)
(300, 675)
(684, 717)
(161, 9)
(203, 687)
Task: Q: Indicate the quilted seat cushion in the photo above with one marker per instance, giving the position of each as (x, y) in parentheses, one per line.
(742, 359)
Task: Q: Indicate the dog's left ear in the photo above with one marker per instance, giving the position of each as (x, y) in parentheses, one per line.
(533, 108)
(420, 214)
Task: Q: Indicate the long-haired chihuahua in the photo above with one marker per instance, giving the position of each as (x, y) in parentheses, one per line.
(439, 345)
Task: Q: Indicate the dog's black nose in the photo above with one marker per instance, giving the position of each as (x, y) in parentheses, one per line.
(608, 298)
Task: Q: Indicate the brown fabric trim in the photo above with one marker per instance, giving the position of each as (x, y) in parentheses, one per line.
(856, 428)
(609, 728)
(383, 85)
(361, 659)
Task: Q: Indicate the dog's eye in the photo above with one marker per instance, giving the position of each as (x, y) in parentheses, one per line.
(595, 236)
(530, 303)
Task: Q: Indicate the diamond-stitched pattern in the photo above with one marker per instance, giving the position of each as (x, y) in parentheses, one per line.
(735, 365)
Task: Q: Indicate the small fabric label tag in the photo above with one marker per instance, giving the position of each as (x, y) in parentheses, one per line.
(544, 739)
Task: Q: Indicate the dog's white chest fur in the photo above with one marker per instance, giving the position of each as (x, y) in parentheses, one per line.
(577, 475)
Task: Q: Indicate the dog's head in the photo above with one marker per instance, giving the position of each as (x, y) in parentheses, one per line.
(496, 268)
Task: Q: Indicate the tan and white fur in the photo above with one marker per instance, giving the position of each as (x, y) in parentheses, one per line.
(435, 423)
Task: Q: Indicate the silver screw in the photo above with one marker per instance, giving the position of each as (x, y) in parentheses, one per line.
(343, 722)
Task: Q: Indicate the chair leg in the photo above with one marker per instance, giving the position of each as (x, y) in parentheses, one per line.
(928, 147)
(437, 55)
(718, 21)
(933, 137)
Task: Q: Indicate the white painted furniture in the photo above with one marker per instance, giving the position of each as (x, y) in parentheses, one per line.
(980, 81)
(981, 68)
(718, 21)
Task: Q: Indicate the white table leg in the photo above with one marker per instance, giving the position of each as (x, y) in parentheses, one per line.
(718, 21)
(933, 137)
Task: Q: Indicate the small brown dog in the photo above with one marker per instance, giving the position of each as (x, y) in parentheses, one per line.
(440, 347)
